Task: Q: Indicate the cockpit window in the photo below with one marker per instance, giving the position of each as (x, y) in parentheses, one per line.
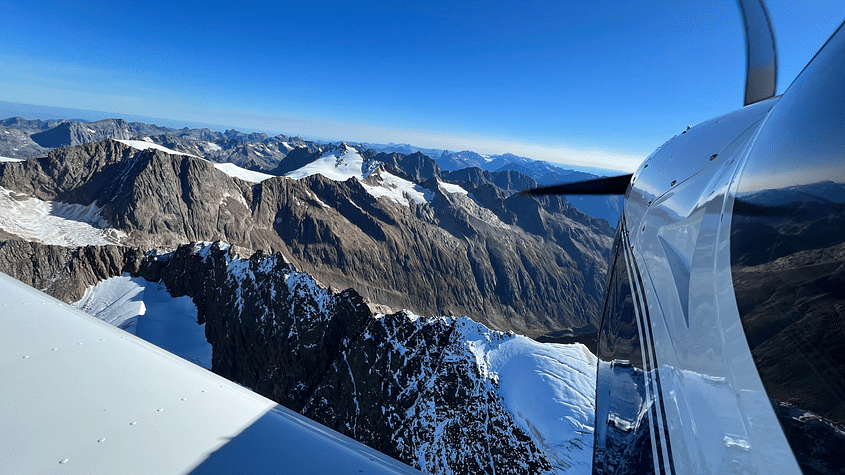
(623, 441)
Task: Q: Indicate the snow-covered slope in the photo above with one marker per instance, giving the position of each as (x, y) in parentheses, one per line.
(337, 165)
(247, 175)
(452, 188)
(147, 310)
(346, 162)
(546, 389)
(51, 222)
(384, 184)
(228, 168)
(549, 388)
(143, 145)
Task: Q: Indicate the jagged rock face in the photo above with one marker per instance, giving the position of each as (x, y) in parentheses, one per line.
(278, 155)
(160, 200)
(517, 264)
(403, 385)
(416, 166)
(78, 133)
(432, 400)
(63, 272)
(410, 387)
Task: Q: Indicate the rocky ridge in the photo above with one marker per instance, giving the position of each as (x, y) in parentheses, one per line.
(528, 265)
(419, 389)
(78, 133)
(410, 387)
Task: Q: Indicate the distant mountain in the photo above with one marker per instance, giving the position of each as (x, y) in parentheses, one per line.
(404, 149)
(78, 133)
(451, 161)
(21, 138)
(15, 141)
(30, 126)
(546, 174)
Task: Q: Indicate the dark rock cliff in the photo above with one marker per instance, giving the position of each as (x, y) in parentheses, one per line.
(405, 385)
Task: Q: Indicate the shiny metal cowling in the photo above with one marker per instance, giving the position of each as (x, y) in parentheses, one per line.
(788, 260)
(734, 201)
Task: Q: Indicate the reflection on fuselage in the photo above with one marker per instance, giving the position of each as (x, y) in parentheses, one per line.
(788, 260)
(624, 443)
(788, 267)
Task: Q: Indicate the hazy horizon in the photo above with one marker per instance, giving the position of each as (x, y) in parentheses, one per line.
(35, 111)
(587, 83)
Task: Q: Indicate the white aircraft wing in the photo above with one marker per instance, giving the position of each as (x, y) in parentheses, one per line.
(80, 396)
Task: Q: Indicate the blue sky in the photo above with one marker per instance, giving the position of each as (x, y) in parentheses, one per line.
(599, 83)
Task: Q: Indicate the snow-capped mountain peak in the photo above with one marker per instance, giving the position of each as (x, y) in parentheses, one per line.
(381, 183)
(339, 165)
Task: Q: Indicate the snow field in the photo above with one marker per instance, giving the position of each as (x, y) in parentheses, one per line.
(548, 388)
(396, 189)
(213, 146)
(143, 145)
(247, 175)
(336, 166)
(56, 223)
(452, 188)
(346, 164)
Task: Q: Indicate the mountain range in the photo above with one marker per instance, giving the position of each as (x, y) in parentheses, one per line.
(21, 138)
(324, 256)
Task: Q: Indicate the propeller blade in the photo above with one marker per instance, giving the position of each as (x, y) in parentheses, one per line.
(761, 59)
(615, 185)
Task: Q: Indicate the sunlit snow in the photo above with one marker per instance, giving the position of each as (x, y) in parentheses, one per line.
(247, 175)
(336, 165)
(147, 310)
(548, 388)
(228, 168)
(382, 183)
(348, 163)
(7, 159)
(143, 145)
(452, 188)
(213, 146)
(50, 222)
